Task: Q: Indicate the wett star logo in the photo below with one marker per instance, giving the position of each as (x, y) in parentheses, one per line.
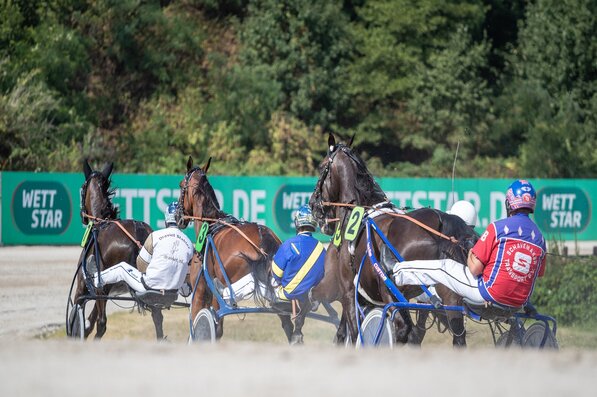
(41, 207)
(562, 209)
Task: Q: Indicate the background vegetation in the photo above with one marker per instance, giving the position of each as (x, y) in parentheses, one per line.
(257, 85)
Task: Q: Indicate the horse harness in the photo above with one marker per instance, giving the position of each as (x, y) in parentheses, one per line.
(102, 221)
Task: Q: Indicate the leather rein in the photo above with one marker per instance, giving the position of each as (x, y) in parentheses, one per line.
(100, 220)
(215, 220)
(409, 218)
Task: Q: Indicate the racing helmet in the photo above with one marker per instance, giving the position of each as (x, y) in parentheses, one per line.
(466, 211)
(304, 218)
(170, 214)
(520, 194)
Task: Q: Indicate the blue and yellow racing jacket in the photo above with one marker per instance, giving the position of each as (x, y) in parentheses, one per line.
(298, 265)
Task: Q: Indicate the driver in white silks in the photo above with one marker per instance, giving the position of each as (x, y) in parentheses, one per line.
(503, 265)
(165, 256)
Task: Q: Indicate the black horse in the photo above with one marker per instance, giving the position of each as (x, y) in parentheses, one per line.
(113, 244)
(345, 182)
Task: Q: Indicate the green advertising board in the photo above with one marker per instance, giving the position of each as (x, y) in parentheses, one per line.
(43, 208)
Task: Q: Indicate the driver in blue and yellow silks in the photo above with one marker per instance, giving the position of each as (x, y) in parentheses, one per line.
(299, 263)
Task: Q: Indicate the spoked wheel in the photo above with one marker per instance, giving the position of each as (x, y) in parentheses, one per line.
(512, 337)
(75, 326)
(204, 327)
(371, 327)
(533, 337)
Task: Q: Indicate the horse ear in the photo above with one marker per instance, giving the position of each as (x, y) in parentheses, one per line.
(351, 139)
(86, 169)
(108, 170)
(189, 164)
(331, 142)
(206, 166)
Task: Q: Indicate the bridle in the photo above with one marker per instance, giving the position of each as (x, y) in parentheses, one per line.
(181, 211)
(317, 194)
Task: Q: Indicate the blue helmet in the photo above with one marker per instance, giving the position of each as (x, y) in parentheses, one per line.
(304, 218)
(170, 214)
(521, 194)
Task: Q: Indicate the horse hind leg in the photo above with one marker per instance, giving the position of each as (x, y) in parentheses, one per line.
(456, 323)
(91, 321)
(403, 325)
(299, 322)
(102, 319)
(287, 326)
(158, 321)
(417, 334)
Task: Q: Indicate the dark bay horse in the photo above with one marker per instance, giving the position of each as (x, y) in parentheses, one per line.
(114, 245)
(241, 254)
(345, 180)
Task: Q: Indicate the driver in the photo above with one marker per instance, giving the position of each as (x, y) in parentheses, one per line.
(502, 266)
(465, 211)
(166, 255)
(299, 262)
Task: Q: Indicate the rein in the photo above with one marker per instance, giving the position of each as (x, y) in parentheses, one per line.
(409, 218)
(202, 219)
(94, 218)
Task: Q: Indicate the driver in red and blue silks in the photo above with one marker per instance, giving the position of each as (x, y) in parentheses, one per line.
(503, 265)
(299, 262)
(510, 254)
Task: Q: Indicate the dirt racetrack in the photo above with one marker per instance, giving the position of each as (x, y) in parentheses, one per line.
(34, 282)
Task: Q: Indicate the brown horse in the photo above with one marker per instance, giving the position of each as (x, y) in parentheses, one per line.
(113, 244)
(243, 247)
(344, 179)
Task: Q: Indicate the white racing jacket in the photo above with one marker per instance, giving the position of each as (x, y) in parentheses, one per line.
(168, 253)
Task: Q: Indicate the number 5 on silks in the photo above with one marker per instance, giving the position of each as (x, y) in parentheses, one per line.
(354, 223)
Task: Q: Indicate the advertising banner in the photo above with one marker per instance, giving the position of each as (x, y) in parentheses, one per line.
(44, 208)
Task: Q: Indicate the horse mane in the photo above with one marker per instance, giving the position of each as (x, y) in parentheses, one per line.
(368, 190)
(452, 225)
(205, 189)
(109, 211)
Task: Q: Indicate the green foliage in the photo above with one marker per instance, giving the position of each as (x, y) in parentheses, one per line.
(451, 104)
(293, 149)
(549, 104)
(30, 136)
(256, 84)
(567, 291)
(303, 46)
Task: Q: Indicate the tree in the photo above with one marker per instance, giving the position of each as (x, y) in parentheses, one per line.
(551, 97)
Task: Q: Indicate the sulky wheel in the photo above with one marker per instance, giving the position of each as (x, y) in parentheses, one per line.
(512, 337)
(370, 327)
(533, 337)
(75, 327)
(204, 327)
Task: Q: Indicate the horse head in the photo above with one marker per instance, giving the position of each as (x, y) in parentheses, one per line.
(343, 179)
(197, 196)
(453, 225)
(96, 194)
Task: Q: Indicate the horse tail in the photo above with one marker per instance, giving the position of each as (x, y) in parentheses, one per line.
(261, 266)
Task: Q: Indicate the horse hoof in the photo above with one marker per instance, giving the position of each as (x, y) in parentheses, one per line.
(296, 340)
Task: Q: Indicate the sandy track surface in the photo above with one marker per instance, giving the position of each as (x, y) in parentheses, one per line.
(34, 284)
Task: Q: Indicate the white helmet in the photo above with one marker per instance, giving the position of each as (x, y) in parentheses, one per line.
(466, 211)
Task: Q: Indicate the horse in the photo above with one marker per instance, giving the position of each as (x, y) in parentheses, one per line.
(243, 247)
(113, 243)
(345, 182)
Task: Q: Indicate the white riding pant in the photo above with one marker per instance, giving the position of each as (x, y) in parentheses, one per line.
(122, 272)
(244, 288)
(448, 272)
